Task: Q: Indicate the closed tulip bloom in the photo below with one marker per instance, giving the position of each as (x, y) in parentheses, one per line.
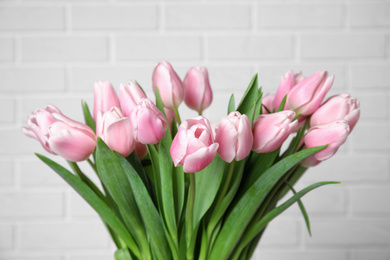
(287, 82)
(170, 115)
(116, 131)
(129, 96)
(271, 130)
(306, 97)
(194, 146)
(333, 134)
(61, 135)
(234, 136)
(140, 150)
(267, 101)
(340, 107)
(169, 85)
(198, 95)
(104, 98)
(148, 122)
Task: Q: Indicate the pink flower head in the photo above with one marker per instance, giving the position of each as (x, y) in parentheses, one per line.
(267, 102)
(61, 135)
(287, 82)
(129, 96)
(116, 131)
(271, 130)
(340, 107)
(198, 94)
(307, 96)
(234, 137)
(333, 134)
(104, 98)
(148, 122)
(194, 146)
(169, 85)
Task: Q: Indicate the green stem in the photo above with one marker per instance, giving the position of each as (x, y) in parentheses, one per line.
(177, 116)
(92, 164)
(190, 208)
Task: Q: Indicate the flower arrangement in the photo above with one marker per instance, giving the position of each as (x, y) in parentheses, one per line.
(192, 190)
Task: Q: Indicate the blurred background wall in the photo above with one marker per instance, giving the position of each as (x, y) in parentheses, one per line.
(53, 51)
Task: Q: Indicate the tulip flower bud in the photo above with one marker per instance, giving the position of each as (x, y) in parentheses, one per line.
(116, 131)
(61, 135)
(340, 107)
(194, 146)
(141, 150)
(129, 96)
(169, 85)
(307, 96)
(170, 115)
(287, 82)
(148, 122)
(333, 134)
(104, 98)
(267, 101)
(234, 136)
(198, 94)
(271, 130)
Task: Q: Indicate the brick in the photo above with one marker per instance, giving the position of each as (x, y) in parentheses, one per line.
(301, 255)
(31, 79)
(32, 18)
(37, 174)
(31, 204)
(6, 236)
(35, 257)
(91, 257)
(371, 137)
(370, 76)
(118, 17)
(370, 200)
(7, 108)
(342, 46)
(376, 254)
(72, 48)
(369, 15)
(230, 78)
(14, 142)
(63, 236)
(358, 168)
(253, 47)
(300, 15)
(158, 48)
(83, 78)
(80, 208)
(207, 16)
(349, 232)
(373, 106)
(6, 49)
(280, 232)
(7, 173)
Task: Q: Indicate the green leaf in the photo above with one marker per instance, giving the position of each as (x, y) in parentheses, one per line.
(88, 117)
(149, 213)
(97, 203)
(122, 254)
(281, 106)
(256, 229)
(231, 106)
(114, 179)
(258, 104)
(250, 96)
(207, 183)
(303, 210)
(243, 211)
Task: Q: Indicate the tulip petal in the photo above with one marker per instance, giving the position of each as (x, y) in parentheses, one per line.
(200, 159)
(119, 138)
(227, 139)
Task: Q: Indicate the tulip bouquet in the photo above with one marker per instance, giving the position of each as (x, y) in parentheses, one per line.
(192, 190)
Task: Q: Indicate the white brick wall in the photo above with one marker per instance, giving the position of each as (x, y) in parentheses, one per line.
(51, 51)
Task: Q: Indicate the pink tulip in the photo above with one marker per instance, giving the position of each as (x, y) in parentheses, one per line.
(169, 85)
(141, 150)
(61, 135)
(267, 103)
(198, 94)
(170, 115)
(104, 98)
(271, 130)
(287, 82)
(194, 146)
(116, 131)
(307, 96)
(340, 107)
(149, 123)
(333, 134)
(129, 96)
(234, 137)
